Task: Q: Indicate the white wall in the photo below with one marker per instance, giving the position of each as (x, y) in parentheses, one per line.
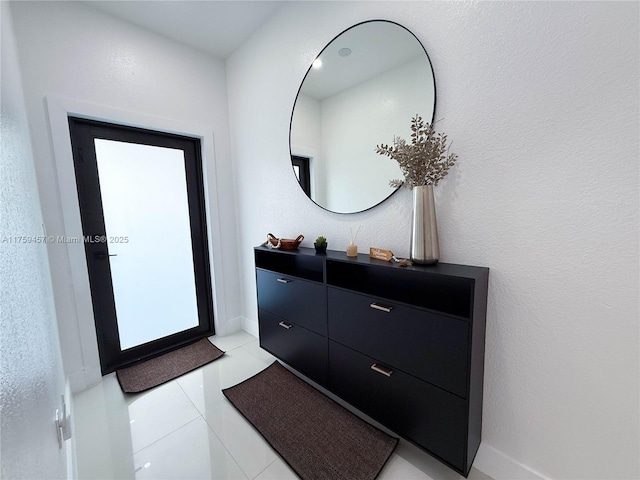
(73, 51)
(541, 102)
(31, 377)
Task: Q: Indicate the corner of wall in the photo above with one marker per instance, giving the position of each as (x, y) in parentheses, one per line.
(227, 327)
(250, 326)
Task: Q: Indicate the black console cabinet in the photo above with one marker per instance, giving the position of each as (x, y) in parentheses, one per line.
(405, 345)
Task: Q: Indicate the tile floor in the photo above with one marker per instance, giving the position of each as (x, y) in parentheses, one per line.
(186, 429)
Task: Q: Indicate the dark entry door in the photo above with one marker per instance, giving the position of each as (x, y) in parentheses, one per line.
(303, 172)
(142, 207)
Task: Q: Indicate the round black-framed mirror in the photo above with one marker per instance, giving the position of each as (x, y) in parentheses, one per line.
(361, 90)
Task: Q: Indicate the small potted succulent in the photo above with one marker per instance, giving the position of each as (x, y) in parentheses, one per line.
(320, 244)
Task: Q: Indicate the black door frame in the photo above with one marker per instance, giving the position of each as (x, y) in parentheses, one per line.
(83, 132)
(305, 172)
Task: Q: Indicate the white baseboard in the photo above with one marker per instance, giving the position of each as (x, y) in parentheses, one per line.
(250, 326)
(500, 466)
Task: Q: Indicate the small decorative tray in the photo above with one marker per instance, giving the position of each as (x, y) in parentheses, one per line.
(284, 243)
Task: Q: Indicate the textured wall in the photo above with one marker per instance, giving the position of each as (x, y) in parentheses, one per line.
(74, 51)
(31, 378)
(541, 102)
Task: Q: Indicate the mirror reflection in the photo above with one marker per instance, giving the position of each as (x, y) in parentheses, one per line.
(363, 88)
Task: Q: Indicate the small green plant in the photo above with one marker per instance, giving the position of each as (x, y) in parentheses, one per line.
(321, 239)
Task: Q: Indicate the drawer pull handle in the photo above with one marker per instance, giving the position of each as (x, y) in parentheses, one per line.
(283, 280)
(285, 325)
(384, 371)
(381, 308)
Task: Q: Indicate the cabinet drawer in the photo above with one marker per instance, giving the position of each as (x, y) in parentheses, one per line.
(417, 411)
(296, 300)
(429, 346)
(304, 350)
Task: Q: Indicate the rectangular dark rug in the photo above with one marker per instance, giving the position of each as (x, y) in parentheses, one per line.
(318, 438)
(159, 370)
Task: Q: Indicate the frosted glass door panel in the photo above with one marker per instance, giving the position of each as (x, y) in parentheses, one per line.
(146, 215)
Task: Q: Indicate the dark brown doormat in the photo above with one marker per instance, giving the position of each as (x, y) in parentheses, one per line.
(164, 368)
(318, 438)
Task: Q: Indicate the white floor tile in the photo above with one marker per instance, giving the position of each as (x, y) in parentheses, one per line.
(475, 474)
(229, 342)
(103, 443)
(107, 392)
(156, 413)
(278, 470)
(191, 452)
(398, 468)
(245, 444)
(103, 431)
(204, 385)
(412, 455)
(253, 349)
(118, 425)
(188, 429)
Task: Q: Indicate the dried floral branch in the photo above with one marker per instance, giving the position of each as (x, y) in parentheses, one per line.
(425, 161)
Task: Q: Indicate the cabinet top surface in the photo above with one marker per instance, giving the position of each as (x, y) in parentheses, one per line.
(440, 268)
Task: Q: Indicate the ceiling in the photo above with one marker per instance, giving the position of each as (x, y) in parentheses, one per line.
(215, 27)
(374, 47)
